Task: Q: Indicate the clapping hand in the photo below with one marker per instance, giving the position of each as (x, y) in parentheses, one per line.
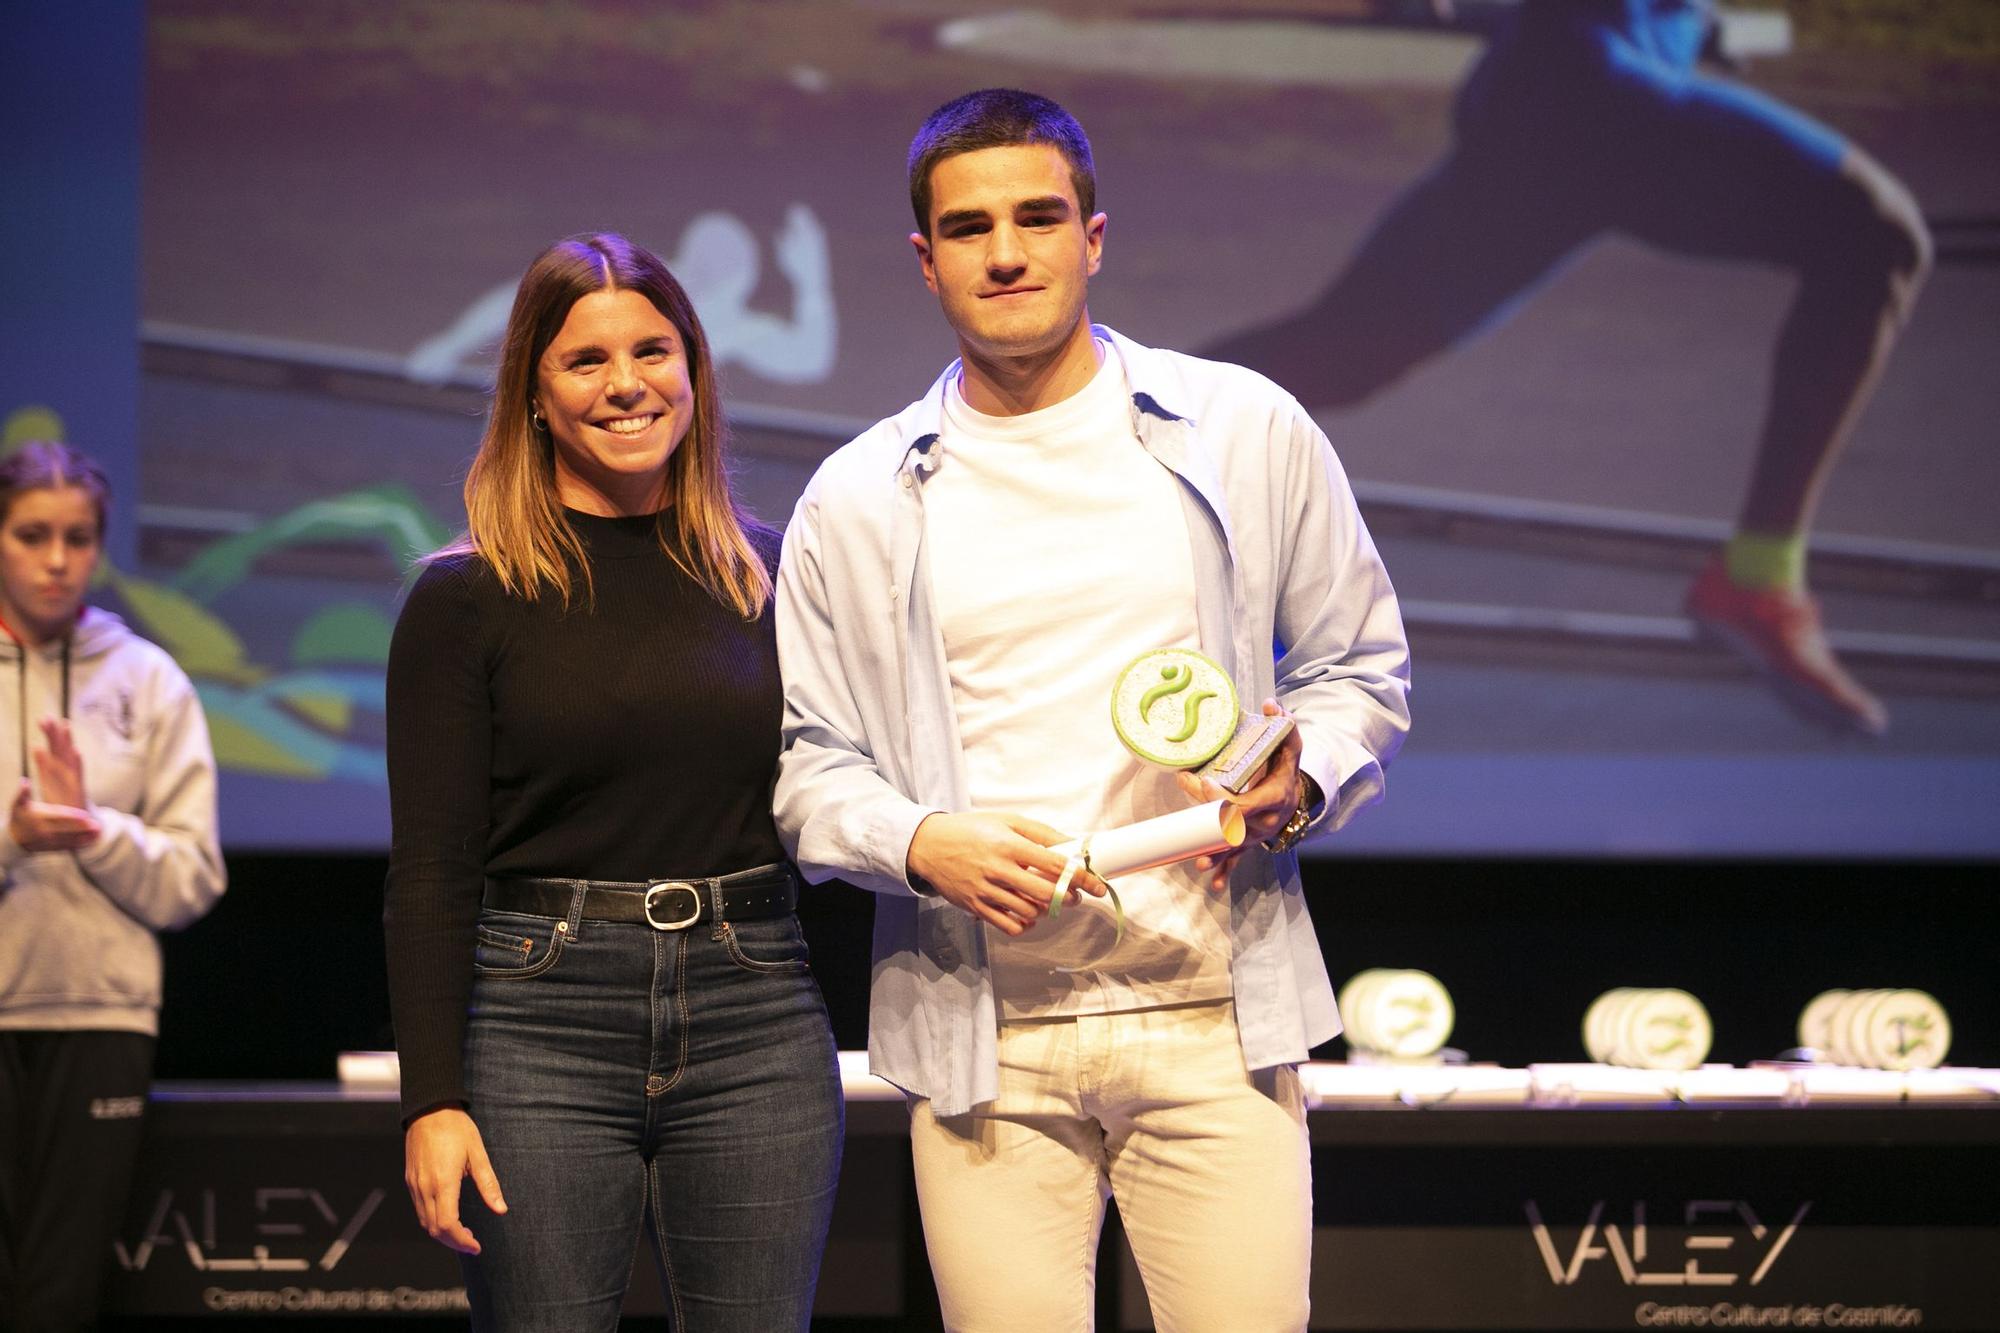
(61, 821)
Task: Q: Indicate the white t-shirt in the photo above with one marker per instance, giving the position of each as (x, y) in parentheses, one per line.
(1058, 553)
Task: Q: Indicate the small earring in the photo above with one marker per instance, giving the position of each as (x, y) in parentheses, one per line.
(537, 419)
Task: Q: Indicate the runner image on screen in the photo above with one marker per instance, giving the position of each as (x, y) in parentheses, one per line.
(1589, 117)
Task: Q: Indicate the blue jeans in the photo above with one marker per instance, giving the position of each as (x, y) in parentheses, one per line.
(623, 1076)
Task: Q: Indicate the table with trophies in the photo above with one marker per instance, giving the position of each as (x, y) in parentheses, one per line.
(1851, 1184)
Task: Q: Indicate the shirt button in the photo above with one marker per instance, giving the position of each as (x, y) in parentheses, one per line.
(906, 481)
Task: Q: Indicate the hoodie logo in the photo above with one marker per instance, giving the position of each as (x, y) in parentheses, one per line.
(115, 713)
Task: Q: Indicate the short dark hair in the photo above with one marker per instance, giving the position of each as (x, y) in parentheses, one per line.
(47, 465)
(998, 118)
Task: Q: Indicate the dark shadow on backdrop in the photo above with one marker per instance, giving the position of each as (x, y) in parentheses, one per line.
(288, 971)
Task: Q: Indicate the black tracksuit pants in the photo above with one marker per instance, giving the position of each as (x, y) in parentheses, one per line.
(71, 1107)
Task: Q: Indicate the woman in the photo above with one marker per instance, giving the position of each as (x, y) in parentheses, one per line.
(601, 995)
(110, 837)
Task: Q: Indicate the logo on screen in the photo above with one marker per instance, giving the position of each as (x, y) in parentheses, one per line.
(1719, 1243)
(297, 1229)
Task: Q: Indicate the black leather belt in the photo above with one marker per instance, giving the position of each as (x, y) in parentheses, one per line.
(663, 904)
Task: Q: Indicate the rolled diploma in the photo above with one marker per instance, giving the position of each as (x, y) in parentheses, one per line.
(1160, 841)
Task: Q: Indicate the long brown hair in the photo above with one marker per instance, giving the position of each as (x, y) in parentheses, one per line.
(514, 520)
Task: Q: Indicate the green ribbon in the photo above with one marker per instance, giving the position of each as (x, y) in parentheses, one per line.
(1080, 860)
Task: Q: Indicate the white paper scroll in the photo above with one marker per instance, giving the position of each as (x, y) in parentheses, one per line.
(1195, 831)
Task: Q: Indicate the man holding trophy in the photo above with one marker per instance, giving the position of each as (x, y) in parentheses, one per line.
(1015, 622)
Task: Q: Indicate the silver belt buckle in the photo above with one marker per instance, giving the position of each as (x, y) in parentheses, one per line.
(653, 895)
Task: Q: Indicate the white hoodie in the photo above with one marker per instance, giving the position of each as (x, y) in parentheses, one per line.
(76, 928)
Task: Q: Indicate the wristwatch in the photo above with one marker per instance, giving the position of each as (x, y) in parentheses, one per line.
(1311, 808)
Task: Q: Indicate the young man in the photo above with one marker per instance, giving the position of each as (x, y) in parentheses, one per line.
(960, 587)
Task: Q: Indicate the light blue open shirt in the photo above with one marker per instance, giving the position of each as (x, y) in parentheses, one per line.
(871, 743)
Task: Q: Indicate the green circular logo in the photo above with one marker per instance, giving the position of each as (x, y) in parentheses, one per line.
(1174, 707)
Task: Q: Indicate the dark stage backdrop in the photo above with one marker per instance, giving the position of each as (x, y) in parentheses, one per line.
(70, 94)
(253, 991)
(336, 199)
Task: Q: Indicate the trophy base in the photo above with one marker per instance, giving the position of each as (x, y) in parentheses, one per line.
(1242, 758)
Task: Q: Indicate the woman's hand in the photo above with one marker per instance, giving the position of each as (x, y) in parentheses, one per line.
(59, 765)
(61, 821)
(40, 826)
(440, 1149)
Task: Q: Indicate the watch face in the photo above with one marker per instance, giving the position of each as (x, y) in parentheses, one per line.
(1174, 707)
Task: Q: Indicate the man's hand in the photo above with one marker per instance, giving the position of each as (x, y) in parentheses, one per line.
(1267, 804)
(996, 867)
(41, 826)
(440, 1149)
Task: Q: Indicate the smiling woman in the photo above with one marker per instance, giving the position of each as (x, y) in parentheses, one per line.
(613, 393)
(601, 995)
(602, 337)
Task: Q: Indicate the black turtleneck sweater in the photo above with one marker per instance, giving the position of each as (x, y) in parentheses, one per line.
(630, 739)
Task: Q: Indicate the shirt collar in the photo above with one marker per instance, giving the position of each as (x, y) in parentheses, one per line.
(1153, 387)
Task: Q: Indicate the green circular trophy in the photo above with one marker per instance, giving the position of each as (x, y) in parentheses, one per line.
(1175, 708)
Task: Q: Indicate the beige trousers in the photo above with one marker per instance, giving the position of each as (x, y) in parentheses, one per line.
(1209, 1163)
